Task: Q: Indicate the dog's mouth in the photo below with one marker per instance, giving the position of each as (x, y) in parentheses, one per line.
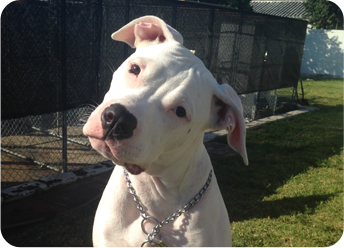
(133, 169)
(108, 150)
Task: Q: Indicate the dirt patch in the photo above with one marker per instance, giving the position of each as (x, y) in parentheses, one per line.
(38, 154)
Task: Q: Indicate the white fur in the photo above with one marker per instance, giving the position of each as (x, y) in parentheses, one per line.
(169, 148)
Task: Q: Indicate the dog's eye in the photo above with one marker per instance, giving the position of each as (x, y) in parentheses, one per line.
(135, 69)
(180, 112)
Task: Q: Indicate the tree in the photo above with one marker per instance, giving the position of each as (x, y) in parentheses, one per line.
(237, 4)
(323, 14)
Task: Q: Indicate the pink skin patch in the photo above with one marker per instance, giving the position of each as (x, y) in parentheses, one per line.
(149, 31)
(222, 111)
(133, 169)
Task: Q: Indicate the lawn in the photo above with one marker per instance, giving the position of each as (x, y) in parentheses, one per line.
(291, 194)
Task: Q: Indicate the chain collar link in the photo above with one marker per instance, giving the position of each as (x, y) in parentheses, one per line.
(172, 217)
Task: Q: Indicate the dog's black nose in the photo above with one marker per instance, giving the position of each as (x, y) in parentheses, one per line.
(118, 122)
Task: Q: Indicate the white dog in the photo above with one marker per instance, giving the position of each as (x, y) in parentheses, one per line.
(151, 123)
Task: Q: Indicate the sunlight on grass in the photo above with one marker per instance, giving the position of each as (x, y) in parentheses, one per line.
(300, 199)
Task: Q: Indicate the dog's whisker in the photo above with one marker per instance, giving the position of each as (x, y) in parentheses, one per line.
(87, 110)
(110, 65)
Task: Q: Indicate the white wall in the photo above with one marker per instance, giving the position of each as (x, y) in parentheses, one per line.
(323, 53)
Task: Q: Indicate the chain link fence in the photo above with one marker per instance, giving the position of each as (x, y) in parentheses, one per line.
(32, 147)
(58, 58)
(267, 103)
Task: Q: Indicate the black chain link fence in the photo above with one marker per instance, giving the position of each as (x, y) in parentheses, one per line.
(57, 59)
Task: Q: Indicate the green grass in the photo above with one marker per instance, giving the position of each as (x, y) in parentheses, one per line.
(291, 194)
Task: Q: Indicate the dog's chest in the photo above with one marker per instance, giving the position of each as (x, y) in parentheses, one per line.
(119, 223)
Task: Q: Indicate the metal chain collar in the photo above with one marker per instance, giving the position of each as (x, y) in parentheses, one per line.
(155, 231)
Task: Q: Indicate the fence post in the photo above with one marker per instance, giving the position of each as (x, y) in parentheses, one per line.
(64, 83)
(174, 15)
(210, 37)
(127, 17)
(236, 50)
(97, 11)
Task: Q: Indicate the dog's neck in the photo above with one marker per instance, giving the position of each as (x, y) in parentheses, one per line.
(185, 175)
(179, 181)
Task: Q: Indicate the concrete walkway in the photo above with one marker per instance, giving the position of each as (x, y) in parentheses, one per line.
(18, 210)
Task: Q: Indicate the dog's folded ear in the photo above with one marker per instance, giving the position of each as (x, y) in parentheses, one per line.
(147, 31)
(229, 116)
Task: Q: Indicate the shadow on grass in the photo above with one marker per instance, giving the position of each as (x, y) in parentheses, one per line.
(71, 229)
(278, 152)
(246, 210)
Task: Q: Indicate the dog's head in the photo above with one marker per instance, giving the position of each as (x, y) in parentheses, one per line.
(160, 101)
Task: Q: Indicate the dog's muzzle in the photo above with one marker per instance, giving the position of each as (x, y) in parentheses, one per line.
(117, 122)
